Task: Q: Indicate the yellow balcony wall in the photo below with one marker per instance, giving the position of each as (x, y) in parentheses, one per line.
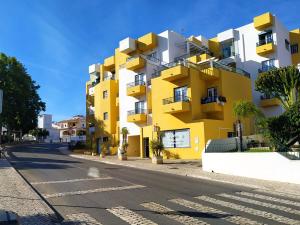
(176, 107)
(212, 107)
(199, 58)
(136, 90)
(137, 118)
(147, 42)
(270, 102)
(175, 73)
(263, 21)
(109, 62)
(135, 63)
(195, 40)
(210, 73)
(265, 49)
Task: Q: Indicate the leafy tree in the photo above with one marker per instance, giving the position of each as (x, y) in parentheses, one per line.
(282, 83)
(284, 130)
(21, 102)
(124, 133)
(39, 133)
(243, 109)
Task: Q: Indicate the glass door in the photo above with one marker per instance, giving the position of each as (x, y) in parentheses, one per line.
(180, 94)
(212, 94)
(139, 107)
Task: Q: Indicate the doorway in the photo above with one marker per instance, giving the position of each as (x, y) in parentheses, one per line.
(146, 147)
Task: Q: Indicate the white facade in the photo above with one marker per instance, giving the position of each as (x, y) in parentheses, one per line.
(45, 122)
(246, 58)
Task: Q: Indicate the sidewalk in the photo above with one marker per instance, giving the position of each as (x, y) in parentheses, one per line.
(192, 168)
(18, 197)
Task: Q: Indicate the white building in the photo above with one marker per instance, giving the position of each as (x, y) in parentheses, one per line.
(45, 122)
(72, 129)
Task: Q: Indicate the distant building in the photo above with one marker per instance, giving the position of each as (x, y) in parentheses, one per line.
(72, 129)
(45, 122)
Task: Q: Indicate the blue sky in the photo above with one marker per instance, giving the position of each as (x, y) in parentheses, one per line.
(57, 40)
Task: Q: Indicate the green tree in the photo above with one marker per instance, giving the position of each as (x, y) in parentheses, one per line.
(39, 133)
(21, 102)
(284, 130)
(282, 83)
(124, 133)
(243, 109)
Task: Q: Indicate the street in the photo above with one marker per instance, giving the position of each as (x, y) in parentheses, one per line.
(97, 193)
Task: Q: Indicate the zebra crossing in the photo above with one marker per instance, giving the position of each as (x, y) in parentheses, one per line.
(222, 208)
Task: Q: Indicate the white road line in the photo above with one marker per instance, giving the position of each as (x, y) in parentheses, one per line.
(62, 194)
(179, 217)
(215, 212)
(81, 219)
(269, 198)
(130, 216)
(255, 212)
(70, 181)
(296, 197)
(264, 204)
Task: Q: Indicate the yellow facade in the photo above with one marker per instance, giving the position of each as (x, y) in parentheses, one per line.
(295, 39)
(204, 121)
(265, 49)
(263, 21)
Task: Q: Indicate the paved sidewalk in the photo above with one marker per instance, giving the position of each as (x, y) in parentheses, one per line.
(18, 197)
(192, 168)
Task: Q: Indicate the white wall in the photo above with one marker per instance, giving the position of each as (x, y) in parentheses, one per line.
(266, 166)
(45, 121)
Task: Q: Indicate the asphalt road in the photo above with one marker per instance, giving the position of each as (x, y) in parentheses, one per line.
(95, 193)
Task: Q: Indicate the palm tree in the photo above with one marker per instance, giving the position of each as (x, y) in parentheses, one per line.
(124, 133)
(243, 109)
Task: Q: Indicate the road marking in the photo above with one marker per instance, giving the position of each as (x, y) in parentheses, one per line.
(255, 212)
(273, 199)
(130, 216)
(179, 217)
(81, 219)
(215, 212)
(296, 197)
(70, 181)
(264, 204)
(55, 195)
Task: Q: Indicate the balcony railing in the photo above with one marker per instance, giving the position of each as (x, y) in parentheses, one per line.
(136, 111)
(266, 69)
(265, 96)
(95, 82)
(207, 100)
(264, 42)
(109, 77)
(176, 98)
(136, 83)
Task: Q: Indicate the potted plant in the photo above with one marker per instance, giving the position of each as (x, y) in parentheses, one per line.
(157, 148)
(122, 151)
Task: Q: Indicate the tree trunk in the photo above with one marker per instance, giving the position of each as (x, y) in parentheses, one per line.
(240, 134)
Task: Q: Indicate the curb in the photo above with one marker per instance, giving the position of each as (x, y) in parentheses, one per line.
(58, 216)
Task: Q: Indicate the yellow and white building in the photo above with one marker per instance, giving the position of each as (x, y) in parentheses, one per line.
(185, 87)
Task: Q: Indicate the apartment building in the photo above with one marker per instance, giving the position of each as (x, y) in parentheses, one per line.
(72, 129)
(45, 122)
(184, 87)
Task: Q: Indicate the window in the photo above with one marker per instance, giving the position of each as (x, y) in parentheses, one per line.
(180, 94)
(212, 94)
(176, 138)
(105, 139)
(105, 94)
(294, 48)
(287, 44)
(105, 115)
(227, 48)
(267, 65)
(139, 79)
(265, 38)
(139, 107)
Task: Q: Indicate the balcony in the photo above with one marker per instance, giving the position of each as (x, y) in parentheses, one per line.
(213, 104)
(147, 42)
(175, 73)
(92, 91)
(176, 104)
(269, 101)
(263, 21)
(266, 69)
(135, 63)
(137, 116)
(136, 88)
(265, 47)
(109, 63)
